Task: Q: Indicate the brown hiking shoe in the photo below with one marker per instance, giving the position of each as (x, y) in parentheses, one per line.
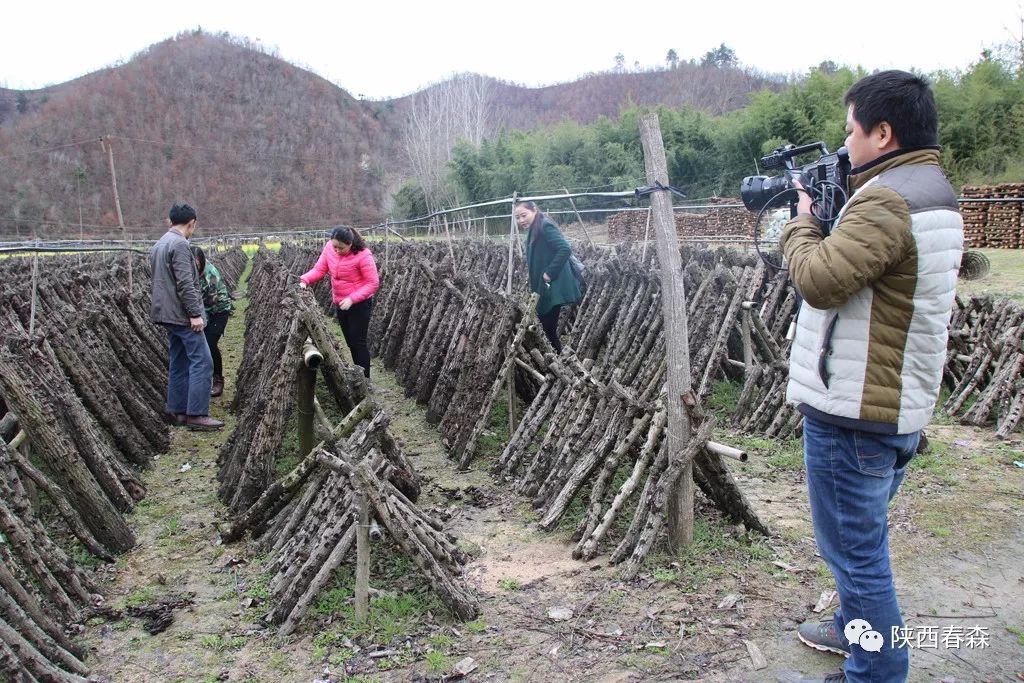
(203, 423)
(217, 388)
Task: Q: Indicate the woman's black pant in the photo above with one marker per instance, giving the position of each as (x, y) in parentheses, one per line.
(549, 321)
(355, 325)
(214, 330)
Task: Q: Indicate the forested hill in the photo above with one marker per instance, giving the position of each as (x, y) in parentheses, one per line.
(252, 140)
(712, 89)
(248, 138)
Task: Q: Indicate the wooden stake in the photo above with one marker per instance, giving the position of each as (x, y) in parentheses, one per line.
(677, 348)
(647, 235)
(363, 559)
(578, 217)
(35, 288)
(448, 234)
(513, 235)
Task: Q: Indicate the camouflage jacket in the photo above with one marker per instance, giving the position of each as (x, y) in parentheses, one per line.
(216, 297)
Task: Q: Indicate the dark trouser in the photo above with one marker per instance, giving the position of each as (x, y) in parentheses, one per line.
(549, 321)
(214, 330)
(355, 324)
(189, 372)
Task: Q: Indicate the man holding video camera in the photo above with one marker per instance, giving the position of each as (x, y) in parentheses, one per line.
(869, 351)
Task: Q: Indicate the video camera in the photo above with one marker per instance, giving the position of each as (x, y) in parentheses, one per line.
(824, 180)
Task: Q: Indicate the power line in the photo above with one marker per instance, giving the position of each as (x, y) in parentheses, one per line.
(43, 150)
(224, 149)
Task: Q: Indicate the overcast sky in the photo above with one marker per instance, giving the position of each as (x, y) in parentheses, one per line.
(384, 49)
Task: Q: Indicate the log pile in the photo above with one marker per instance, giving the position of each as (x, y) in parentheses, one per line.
(589, 414)
(985, 364)
(279, 320)
(447, 335)
(231, 264)
(82, 382)
(728, 222)
(993, 224)
(307, 520)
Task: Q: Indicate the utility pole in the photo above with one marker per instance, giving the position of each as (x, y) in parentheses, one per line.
(677, 348)
(109, 147)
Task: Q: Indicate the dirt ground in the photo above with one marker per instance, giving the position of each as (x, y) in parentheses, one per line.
(956, 536)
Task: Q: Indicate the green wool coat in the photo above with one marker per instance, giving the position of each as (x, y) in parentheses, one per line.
(547, 251)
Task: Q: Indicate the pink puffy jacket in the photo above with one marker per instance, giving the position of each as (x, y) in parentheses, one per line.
(353, 275)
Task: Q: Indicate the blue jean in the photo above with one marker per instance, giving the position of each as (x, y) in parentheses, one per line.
(851, 477)
(190, 371)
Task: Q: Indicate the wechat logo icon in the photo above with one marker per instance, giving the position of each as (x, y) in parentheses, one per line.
(859, 632)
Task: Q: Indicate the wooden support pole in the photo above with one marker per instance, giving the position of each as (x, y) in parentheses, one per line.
(513, 237)
(748, 347)
(305, 389)
(647, 236)
(448, 235)
(677, 349)
(579, 217)
(363, 559)
(35, 289)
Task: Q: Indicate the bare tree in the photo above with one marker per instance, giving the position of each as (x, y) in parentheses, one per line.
(439, 117)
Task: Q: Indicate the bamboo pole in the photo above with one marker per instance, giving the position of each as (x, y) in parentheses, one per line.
(677, 350)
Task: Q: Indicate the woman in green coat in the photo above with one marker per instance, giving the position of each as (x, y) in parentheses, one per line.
(547, 260)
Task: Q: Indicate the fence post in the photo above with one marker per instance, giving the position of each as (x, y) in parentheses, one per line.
(677, 350)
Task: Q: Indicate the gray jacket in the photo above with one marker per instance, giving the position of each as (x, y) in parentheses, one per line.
(176, 296)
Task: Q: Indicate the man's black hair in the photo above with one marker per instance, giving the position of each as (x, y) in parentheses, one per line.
(181, 214)
(900, 98)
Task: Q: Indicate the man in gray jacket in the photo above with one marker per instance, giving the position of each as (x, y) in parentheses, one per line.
(178, 305)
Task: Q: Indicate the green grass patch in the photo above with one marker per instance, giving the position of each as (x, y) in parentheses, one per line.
(259, 587)
(142, 596)
(724, 395)
(390, 616)
(780, 454)
(714, 551)
(1019, 632)
(437, 662)
(509, 584)
(495, 437)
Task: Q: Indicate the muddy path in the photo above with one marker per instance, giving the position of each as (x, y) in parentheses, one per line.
(956, 538)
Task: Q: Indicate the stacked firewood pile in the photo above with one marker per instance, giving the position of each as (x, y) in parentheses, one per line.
(728, 221)
(985, 362)
(308, 519)
(993, 224)
(82, 380)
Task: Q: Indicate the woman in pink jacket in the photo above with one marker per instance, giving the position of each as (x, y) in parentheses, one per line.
(353, 283)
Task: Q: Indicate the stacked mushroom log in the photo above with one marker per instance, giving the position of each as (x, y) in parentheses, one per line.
(307, 519)
(985, 362)
(82, 381)
(444, 325)
(231, 264)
